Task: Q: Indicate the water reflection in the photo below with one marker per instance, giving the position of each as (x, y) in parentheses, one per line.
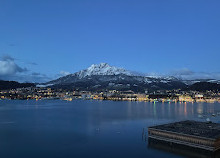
(200, 108)
(185, 110)
(155, 110)
(181, 149)
(84, 128)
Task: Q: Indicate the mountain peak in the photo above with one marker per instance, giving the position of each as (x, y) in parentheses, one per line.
(102, 69)
(101, 65)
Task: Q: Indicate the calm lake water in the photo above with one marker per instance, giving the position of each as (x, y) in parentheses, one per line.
(86, 129)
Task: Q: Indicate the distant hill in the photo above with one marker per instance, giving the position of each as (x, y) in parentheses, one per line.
(119, 82)
(204, 86)
(4, 85)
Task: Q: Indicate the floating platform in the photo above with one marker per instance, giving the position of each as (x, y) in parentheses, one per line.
(182, 150)
(201, 135)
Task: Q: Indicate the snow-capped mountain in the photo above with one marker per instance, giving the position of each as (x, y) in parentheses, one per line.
(103, 76)
(99, 77)
(102, 69)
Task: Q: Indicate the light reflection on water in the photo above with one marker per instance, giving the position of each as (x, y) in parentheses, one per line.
(84, 128)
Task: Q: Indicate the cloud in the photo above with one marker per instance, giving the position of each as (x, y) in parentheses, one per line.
(184, 72)
(9, 67)
(64, 73)
(61, 74)
(10, 70)
(41, 78)
(206, 75)
(35, 74)
(7, 57)
(190, 75)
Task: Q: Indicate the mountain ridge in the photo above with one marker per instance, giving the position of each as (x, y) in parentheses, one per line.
(105, 77)
(102, 77)
(7, 85)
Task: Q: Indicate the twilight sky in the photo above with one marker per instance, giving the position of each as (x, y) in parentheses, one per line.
(45, 39)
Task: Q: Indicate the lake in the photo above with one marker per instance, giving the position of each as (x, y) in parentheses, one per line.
(89, 128)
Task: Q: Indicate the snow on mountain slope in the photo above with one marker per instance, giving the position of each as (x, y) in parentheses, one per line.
(104, 76)
(107, 72)
(102, 69)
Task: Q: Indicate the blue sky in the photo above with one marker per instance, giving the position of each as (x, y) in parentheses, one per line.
(45, 37)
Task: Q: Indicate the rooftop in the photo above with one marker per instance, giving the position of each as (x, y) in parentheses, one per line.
(194, 128)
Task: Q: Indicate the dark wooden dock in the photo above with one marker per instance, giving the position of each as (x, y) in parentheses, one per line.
(202, 135)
